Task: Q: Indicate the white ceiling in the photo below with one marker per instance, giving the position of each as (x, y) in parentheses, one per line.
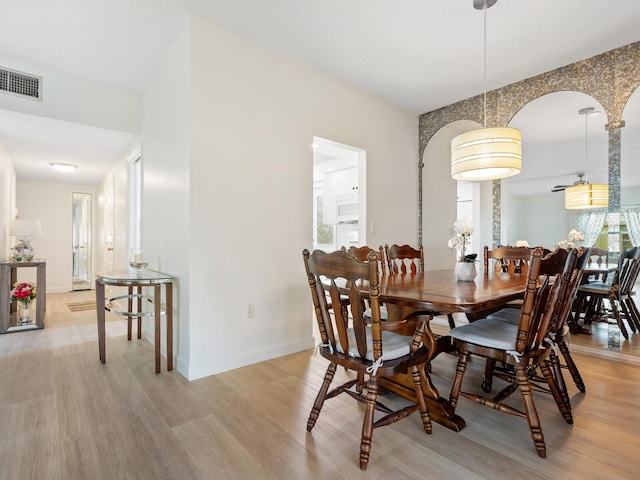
(417, 54)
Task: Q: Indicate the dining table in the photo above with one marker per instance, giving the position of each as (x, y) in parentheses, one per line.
(439, 291)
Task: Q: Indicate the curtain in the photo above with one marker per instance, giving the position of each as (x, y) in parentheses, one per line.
(632, 214)
(589, 222)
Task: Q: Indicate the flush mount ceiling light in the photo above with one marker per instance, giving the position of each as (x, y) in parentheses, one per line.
(487, 153)
(584, 195)
(63, 167)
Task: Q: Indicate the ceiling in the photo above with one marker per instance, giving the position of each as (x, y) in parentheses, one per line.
(417, 54)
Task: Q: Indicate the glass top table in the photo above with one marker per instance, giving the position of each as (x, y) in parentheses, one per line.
(135, 280)
(130, 276)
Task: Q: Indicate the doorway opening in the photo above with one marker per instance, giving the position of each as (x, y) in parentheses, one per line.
(339, 195)
(81, 239)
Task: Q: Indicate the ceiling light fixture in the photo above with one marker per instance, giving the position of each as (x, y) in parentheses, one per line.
(487, 153)
(64, 167)
(584, 195)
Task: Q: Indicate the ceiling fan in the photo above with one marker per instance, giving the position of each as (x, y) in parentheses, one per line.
(561, 188)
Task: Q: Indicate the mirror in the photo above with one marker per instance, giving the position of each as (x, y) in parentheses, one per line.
(81, 240)
(630, 152)
(557, 145)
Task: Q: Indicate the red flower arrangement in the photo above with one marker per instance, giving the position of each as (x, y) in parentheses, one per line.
(23, 292)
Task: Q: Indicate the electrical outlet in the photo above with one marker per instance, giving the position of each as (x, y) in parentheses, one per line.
(250, 310)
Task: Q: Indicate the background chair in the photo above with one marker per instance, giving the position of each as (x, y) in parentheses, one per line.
(406, 259)
(522, 344)
(507, 259)
(618, 293)
(598, 256)
(363, 348)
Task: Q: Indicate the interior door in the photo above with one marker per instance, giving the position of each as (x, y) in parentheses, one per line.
(81, 238)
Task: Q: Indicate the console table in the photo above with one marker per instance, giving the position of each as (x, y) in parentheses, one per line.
(134, 281)
(8, 276)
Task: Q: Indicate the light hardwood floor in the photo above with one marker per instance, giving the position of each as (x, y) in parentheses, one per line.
(66, 416)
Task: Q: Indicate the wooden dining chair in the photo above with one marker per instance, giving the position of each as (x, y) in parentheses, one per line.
(363, 347)
(558, 333)
(521, 345)
(403, 259)
(599, 256)
(619, 294)
(362, 254)
(513, 260)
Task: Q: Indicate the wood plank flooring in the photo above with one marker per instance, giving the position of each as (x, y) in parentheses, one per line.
(66, 416)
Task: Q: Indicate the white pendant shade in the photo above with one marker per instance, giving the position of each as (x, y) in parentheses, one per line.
(588, 195)
(486, 154)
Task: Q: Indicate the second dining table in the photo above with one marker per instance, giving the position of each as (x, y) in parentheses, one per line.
(438, 291)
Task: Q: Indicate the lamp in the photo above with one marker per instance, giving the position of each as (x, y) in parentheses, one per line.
(63, 167)
(584, 195)
(487, 153)
(23, 230)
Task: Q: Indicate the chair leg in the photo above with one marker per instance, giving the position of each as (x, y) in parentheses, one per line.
(554, 362)
(461, 367)
(452, 324)
(559, 395)
(616, 313)
(635, 314)
(487, 378)
(422, 403)
(628, 315)
(573, 369)
(322, 395)
(367, 424)
(530, 409)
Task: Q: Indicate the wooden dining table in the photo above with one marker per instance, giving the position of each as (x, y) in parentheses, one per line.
(438, 291)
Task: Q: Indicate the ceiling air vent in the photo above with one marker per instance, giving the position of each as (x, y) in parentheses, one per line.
(21, 84)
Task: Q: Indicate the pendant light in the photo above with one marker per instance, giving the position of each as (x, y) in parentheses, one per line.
(585, 195)
(487, 153)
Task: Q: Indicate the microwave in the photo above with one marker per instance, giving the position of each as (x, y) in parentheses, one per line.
(347, 208)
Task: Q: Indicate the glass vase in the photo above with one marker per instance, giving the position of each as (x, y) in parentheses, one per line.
(24, 312)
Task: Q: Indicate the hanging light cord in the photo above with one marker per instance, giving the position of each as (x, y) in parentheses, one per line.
(485, 64)
(586, 146)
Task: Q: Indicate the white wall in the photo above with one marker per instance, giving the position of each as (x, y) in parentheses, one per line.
(7, 176)
(73, 99)
(439, 200)
(51, 203)
(541, 220)
(233, 230)
(167, 236)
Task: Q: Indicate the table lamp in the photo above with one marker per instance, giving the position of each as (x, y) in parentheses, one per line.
(23, 230)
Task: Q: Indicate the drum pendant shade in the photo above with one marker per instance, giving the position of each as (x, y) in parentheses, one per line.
(486, 154)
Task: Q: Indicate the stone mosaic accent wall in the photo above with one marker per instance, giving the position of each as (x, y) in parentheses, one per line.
(610, 78)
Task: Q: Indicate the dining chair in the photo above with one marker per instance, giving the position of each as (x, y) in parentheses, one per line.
(558, 334)
(402, 259)
(523, 344)
(598, 256)
(362, 254)
(619, 293)
(513, 260)
(363, 348)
